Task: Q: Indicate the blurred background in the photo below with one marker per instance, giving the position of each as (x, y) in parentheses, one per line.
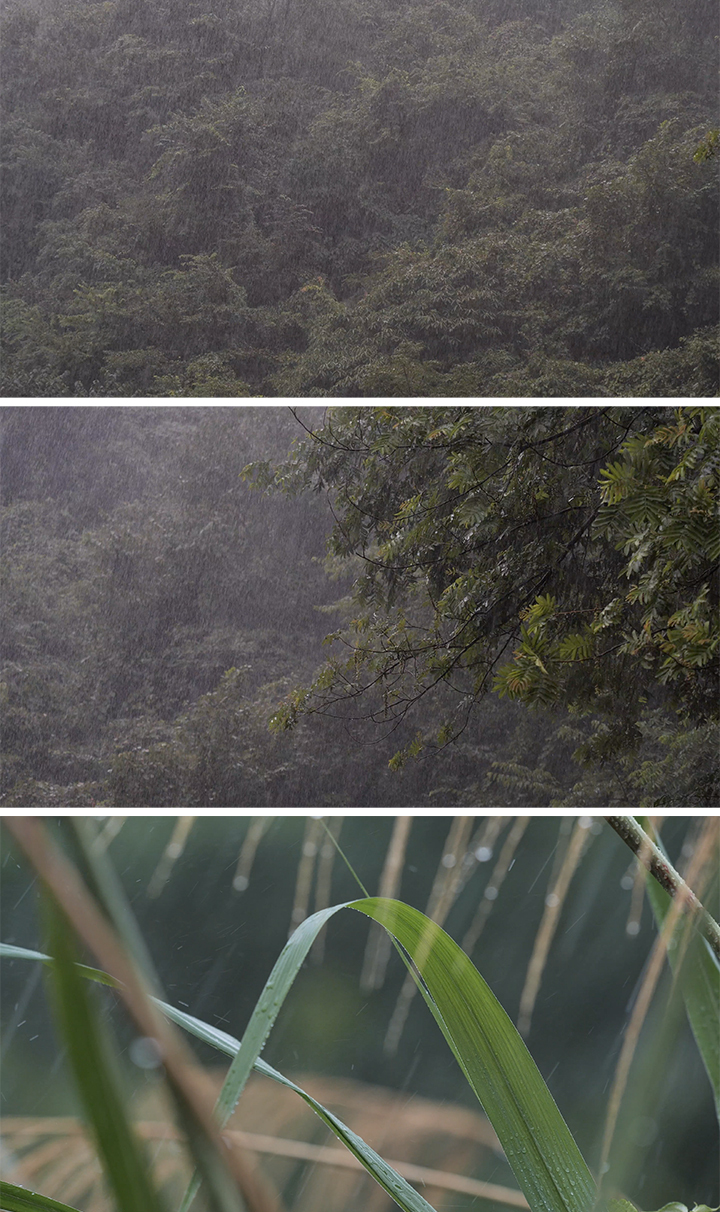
(215, 898)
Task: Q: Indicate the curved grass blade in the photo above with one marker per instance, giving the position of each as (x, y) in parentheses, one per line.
(94, 1066)
(544, 1156)
(18, 1199)
(405, 1196)
(538, 1144)
(10, 951)
(277, 986)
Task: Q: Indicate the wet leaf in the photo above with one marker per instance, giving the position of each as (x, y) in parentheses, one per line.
(17, 1199)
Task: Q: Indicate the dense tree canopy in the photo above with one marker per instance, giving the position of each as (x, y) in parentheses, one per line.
(557, 556)
(359, 198)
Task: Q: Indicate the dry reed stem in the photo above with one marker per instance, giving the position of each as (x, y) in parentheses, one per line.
(497, 877)
(442, 894)
(248, 850)
(255, 1142)
(170, 855)
(450, 876)
(109, 833)
(191, 1083)
(566, 827)
(324, 883)
(484, 838)
(642, 1002)
(306, 867)
(553, 907)
(377, 951)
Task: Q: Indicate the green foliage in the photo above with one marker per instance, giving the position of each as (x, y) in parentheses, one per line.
(499, 533)
(659, 507)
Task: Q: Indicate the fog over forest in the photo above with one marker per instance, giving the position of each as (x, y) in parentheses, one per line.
(359, 198)
(524, 602)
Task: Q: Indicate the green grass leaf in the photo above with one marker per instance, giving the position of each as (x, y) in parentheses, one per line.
(18, 1199)
(95, 1068)
(545, 1159)
(536, 1140)
(397, 1187)
(246, 1056)
(538, 1144)
(92, 974)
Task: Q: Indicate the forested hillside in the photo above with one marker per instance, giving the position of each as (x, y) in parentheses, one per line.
(524, 603)
(359, 198)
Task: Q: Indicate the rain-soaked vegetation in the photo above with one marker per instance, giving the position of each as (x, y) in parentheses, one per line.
(522, 606)
(359, 198)
(556, 914)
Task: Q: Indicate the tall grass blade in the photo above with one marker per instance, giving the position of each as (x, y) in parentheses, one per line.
(377, 951)
(278, 985)
(102, 881)
(446, 886)
(95, 1068)
(545, 1159)
(397, 1187)
(17, 1199)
